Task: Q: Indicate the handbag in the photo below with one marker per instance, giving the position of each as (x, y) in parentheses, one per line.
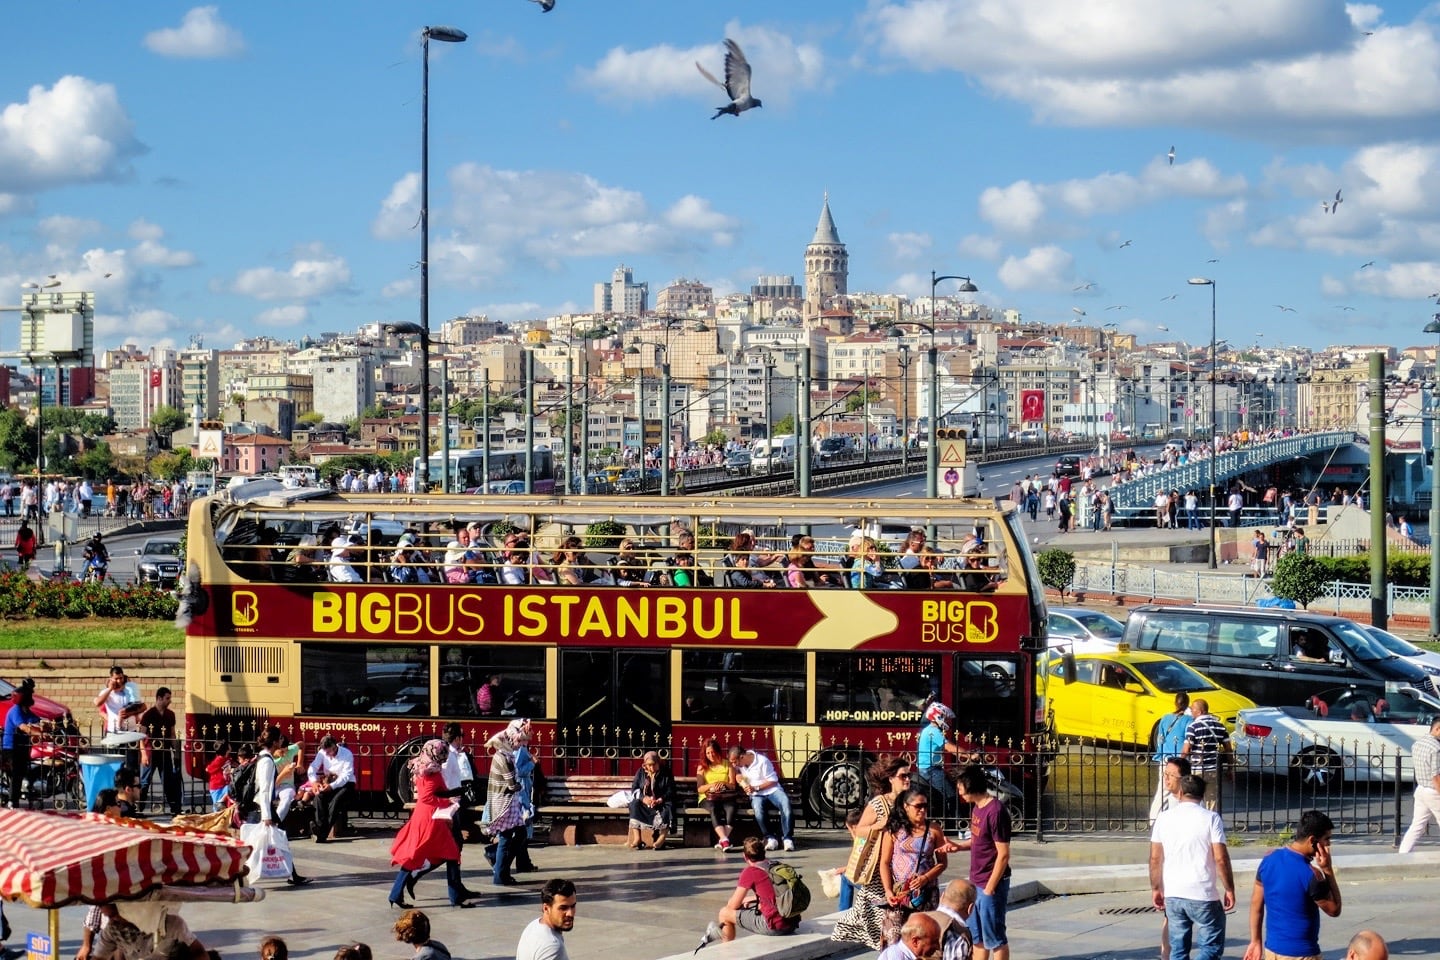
(269, 854)
(865, 856)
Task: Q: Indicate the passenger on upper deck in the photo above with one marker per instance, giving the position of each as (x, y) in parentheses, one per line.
(457, 553)
(629, 570)
(408, 564)
(341, 564)
(867, 568)
(514, 557)
(572, 567)
(976, 577)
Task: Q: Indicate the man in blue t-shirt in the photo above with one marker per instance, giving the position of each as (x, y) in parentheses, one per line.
(1170, 742)
(1293, 885)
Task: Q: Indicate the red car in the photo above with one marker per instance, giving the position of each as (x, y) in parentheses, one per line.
(45, 708)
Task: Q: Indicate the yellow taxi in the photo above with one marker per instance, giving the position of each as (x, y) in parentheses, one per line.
(1122, 695)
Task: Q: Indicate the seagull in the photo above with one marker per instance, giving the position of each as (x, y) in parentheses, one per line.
(1284, 309)
(1171, 155)
(712, 933)
(1338, 307)
(1367, 263)
(1084, 286)
(1126, 244)
(1171, 297)
(1335, 205)
(1213, 260)
(1077, 311)
(737, 81)
(1117, 306)
(546, 5)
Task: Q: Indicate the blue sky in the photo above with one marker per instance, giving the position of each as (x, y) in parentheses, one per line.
(245, 169)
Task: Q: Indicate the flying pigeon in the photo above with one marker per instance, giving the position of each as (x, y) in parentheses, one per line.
(1126, 244)
(1367, 263)
(546, 5)
(1284, 309)
(1171, 155)
(737, 81)
(1171, 297)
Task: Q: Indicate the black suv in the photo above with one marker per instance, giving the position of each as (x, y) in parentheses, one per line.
(1068, 465)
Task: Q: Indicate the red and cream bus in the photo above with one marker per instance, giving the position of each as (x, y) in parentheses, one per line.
(292, 625)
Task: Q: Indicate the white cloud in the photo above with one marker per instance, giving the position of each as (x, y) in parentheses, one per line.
(399, 213)
(981, 248)
(399, 288)
(143, 229)
(692, 213)
(1333, 287)
(1261, 67)
(150, 252)
(314, 273)
(782, 67)
(288, 316)
(1223, 221)
(1015, 209)
(202, 35)
(1405, 281)
(509, 312)
(12, 205)
(67, 231)
(909, 246)
(148, 323)
(74, 132)
(1043, 268)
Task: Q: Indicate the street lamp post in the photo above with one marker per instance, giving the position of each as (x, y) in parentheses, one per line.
(445, 35)
(932, 452)
(802, 424)
(1434, 327)
(1214, 536)
(905, 409)
(529, 369)
(664, 419)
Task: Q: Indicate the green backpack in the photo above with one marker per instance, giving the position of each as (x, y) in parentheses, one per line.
(792, 897)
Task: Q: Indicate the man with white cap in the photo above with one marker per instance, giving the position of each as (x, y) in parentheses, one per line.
(341, 563)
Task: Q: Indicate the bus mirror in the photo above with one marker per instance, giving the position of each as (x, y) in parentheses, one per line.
(1067, 668)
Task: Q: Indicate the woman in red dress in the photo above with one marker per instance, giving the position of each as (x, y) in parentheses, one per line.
(426, 840)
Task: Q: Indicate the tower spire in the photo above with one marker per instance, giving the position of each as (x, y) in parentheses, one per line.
(825, 231)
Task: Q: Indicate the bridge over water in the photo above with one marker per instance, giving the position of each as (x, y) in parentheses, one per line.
(1140, 494)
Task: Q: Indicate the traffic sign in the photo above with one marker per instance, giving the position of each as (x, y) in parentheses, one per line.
(952, 453)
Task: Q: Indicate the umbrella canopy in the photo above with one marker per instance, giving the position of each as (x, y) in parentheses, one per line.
(51, 859)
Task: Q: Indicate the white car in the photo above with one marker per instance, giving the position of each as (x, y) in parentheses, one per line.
(1083, 631)
(1424, 659)
(1344, 734)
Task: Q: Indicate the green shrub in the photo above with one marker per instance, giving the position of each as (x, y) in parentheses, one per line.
(1300, 577)
(24, 598)
(604, 534)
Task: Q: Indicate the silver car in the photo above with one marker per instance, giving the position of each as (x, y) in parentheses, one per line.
(1083, 630)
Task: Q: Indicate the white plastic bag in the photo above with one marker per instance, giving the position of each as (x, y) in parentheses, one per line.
(620, 799)
(269, 853)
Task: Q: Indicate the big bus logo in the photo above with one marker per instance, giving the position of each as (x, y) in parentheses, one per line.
(959, 621)
(244, 609)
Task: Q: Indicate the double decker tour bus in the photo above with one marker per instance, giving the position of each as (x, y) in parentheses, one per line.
(601, 648)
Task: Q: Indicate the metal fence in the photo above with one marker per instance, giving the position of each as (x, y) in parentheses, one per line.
(1055, 788)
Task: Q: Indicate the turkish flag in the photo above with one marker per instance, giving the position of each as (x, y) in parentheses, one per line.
(154, 378)
(1032, 406)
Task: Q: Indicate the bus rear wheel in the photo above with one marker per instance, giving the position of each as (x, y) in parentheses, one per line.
(834, 784)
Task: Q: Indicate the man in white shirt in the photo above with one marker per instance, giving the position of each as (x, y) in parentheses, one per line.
(1189, 863)
(919, 938)
(544, 937)
(333, 772)
(761, 783)
(119, 700)
(458, 770)
(341, 567)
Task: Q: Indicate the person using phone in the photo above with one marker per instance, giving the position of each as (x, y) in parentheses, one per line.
(1293, 885)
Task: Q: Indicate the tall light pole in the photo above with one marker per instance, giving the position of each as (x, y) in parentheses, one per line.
(932, 452)
(1214, 536)
(905, 408)
(444, 35)
(1434, 327)
(802, 423)
(664, 417)
(529, 371)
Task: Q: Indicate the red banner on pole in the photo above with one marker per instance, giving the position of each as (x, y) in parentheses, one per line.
(1032, 406)
(154, 378)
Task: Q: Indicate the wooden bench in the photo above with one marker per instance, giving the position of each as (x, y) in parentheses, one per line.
(576, 809)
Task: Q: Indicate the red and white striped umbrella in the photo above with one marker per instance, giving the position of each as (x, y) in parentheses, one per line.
(51, 859)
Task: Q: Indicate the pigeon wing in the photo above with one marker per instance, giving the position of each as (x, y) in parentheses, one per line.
(709, 76)
(737, 72)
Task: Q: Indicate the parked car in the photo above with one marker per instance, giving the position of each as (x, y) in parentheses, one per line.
(1083, 631)
(45, 708)
(634, 481)
(738, 463)
(596, 484)
(1122, 696)
(1427, 661)
(506, 486)
(1273, 657)
(159, 562)
(1343, 734)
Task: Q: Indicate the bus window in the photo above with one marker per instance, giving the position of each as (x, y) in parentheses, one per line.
(521, 688)
(614, 691)
(985, 696)
(348, 679)
(874, 688)
(750, 686)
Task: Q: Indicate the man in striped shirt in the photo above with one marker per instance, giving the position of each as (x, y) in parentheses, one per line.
(1206, 739)
(1426, 757)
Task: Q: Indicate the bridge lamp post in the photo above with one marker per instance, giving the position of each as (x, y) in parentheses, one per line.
(1214, 535)
(1434, 327)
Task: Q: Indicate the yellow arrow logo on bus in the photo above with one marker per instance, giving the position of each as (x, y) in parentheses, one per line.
(848, 619)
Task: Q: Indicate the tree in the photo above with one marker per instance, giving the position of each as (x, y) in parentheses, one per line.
(375, 411)
(165, 420)
(1299, 577)
(715, 438)
(97, 461)
(785, 424)
(310, 418)
(858, 398)
(1057, 569)
(168, 465)
(17, 440)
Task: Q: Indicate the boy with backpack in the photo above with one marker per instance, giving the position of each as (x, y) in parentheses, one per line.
(768, 899)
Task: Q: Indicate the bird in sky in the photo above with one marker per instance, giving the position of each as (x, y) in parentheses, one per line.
(1078, 311)
(1084, 286)
(1171, 297)
(546, 5)
(1126, 244)
(1330, 207)
(1118, 306)
(1213, 260)
(1284, 309)
(737, 81)
(1171, 155)
(1338, 307)
(1367, 263)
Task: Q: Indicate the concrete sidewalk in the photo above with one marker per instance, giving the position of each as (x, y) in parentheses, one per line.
(639, 905)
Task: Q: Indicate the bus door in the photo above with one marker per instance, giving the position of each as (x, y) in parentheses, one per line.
(614, 702)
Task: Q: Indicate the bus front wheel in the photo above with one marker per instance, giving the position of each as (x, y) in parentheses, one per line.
(834, 784)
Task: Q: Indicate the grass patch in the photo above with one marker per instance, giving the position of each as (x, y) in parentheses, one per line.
(90, 634)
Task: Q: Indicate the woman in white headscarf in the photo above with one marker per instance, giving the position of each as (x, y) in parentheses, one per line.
(426, 840)
(508, 800)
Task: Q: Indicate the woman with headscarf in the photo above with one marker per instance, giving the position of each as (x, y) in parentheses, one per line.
(426, 840)
(653, 805)
(507, 809)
